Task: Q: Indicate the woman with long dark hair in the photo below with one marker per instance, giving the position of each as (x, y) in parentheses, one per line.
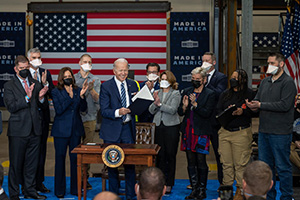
(235, 138)
(167, 121)
(67, 129)
(197, 106)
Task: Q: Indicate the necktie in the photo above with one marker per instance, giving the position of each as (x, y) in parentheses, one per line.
(208, 75)
(123, 99)
(26, 86)
(35, 76)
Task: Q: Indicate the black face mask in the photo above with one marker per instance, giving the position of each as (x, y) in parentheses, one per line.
(24, 73)
(196, 84)
(234, 83)
(68, 81)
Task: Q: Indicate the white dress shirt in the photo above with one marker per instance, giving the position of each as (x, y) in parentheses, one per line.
(128, 117)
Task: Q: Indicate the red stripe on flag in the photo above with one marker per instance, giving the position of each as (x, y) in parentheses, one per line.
(126, 15)
(127, 38)
(127, 49)
(126, 27)
(103, 60)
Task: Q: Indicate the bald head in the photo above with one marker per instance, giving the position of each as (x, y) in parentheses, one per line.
(106, 195)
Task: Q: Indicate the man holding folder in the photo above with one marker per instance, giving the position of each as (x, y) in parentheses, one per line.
(118, 125)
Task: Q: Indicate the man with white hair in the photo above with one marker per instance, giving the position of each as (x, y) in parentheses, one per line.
(118, 125)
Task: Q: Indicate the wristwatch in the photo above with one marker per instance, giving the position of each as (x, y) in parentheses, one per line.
(159, 105)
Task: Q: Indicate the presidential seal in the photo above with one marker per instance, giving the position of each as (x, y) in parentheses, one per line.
(113, 156)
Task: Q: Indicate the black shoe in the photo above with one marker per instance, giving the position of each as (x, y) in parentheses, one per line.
(88, 186)
(14, 198)
(35, 196)
(42, 188)
(60, 196)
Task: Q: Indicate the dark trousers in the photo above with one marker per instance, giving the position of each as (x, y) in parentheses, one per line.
(214, 138)
(40, 174)
(167, 137)
(113, 173)
(61, 144)
(23, 158)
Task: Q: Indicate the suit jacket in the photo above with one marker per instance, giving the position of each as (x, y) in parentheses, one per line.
(23, 115)
(3, 196)
(109, 101)
(168, 111)
(67, 120)
(218, 83)
(156, 86)
(203, 112)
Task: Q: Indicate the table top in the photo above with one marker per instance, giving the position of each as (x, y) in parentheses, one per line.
(141, 149)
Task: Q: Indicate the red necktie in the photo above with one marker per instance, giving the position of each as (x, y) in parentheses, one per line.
(26, 86)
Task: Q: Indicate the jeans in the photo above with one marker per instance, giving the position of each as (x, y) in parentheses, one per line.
(274, 149)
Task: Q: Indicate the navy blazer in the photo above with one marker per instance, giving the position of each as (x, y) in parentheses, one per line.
(109, 101)
(156, 86)
(218, 83)
(67, 120)
(202, 114)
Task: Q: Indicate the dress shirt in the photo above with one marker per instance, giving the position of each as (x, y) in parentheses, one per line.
(32, 71)
(210, 75)
(128, 117)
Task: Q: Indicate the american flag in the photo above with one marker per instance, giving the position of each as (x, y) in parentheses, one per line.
(64, 37)
(290, 46)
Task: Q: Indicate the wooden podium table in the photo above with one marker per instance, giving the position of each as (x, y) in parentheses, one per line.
(135, 154)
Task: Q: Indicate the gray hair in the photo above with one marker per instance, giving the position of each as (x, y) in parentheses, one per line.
(121, 60)
(199, 70)
(33, 50)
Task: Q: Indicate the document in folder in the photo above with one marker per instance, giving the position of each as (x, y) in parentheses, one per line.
(141, 101)
(226, 116)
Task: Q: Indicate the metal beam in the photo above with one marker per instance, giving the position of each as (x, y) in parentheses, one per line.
(109, 6)
(231, 37)
(247, 34)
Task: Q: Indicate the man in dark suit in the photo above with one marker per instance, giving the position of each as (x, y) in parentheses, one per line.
(3, 195)
(118, 125)
(217, 82)
(44, 77)
(153, 73)
(23, 97)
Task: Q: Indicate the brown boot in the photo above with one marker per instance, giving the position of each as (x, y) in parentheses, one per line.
(238, 194)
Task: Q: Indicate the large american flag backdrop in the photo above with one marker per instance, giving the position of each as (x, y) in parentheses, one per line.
(64, 37)
(290, 45)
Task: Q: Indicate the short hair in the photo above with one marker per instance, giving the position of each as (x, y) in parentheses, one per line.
(199, 70)
(33, 50)
(121, 60)
(170, 78)
(1, 175)
(60, 78)
(278, 56)
(151, 183)
(21, 59)
(153, 65)
(213, 56)
(104, 195)
(85, 55)
(258, 177)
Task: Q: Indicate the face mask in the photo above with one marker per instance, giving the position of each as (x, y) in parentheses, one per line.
(196, 84)
(272, 69)
(24, 73)
(36, 63)
(152, 77)
(206, 66)
(164, 84)
(68, 81)
(234, 83)
(86, 67)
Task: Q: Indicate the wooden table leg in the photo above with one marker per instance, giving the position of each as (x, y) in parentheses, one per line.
(79, 176)
(84, 180)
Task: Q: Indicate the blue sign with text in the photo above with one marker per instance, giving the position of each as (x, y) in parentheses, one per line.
(189, 40)
(12, 44)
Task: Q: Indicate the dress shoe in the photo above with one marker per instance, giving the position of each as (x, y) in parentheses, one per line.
(88, 186)
(35, 196)
(60, 196)
(42, 188)
(14, 198)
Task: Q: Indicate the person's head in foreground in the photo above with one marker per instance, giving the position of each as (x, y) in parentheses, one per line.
(106, 195)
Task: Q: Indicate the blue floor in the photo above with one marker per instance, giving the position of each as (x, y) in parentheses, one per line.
(179, 190)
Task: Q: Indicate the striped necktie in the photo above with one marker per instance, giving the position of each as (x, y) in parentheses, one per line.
(123, 99)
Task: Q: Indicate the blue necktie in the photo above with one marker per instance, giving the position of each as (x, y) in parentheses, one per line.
(123, 99)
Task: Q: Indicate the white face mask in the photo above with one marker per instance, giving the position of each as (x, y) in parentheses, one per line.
(86, 67)
(152, 77)
(36, 63)
(164, 84)
(272, 69)
(206, 66)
